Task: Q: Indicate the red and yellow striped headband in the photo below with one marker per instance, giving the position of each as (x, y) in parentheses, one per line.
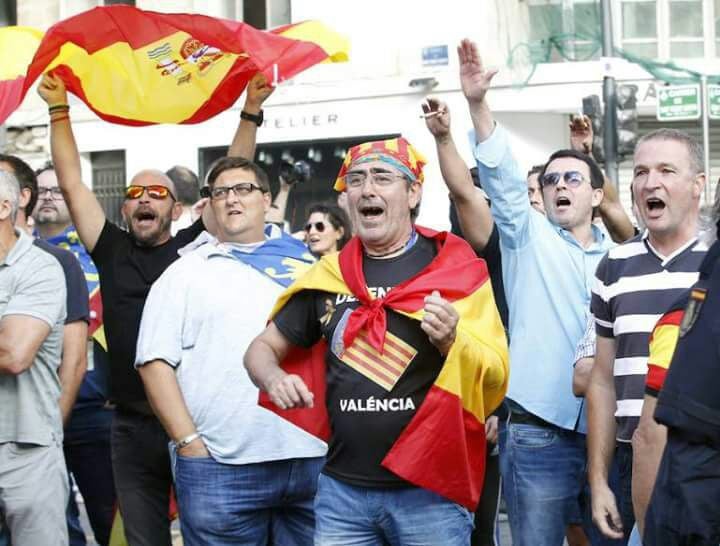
(397, 152)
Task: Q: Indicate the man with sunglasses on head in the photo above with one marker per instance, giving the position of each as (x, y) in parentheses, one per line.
(242, 473)
(548, 266)
(636, 283)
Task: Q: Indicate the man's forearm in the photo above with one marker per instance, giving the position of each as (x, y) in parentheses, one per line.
(648, 444)
(276, 213)
(482, 119)
(453, 169)
(73, 366)
(245, 139)
(601, 429)
(166, 399)
(65, 155)
(262, 364)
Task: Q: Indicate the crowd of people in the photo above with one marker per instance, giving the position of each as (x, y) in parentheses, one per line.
(374, 382)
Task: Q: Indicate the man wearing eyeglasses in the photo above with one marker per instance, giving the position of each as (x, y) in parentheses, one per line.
(389, 317)
(242, 473)
(548, 268)
(128, 263)
(87, 434)
(636, 283)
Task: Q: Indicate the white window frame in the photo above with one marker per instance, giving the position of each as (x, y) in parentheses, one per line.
(664, 41)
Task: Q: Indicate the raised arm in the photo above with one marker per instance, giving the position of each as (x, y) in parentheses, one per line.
(613, 214)
(473, 210)
(502, 179)
(85, 209)
(243, 143)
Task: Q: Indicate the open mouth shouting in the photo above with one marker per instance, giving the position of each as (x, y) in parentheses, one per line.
(654, 206)
(145, 218)
(562, 203)
(371, 213)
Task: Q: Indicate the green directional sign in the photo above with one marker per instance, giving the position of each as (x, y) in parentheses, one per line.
(679, 102)
(713, 101)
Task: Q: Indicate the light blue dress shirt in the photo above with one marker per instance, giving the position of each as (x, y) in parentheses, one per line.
(548, 276)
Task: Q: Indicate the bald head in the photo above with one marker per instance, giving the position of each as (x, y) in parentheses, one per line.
(149, 217)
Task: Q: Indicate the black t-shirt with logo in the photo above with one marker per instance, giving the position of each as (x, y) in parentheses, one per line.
(370, 398)
(127, 272)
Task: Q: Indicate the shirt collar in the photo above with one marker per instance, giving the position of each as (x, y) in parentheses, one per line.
(599, 243)
(21, 246)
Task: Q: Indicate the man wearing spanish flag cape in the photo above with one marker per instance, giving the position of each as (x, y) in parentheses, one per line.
(415, 357)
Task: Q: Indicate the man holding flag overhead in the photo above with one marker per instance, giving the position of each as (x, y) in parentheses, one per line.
(242, 473)
(415, 357)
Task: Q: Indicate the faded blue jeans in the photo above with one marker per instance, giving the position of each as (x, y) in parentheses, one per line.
(261, 503)
(347, 515)
(543, 472)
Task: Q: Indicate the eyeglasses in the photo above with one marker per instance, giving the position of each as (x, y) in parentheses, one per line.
(382, 178)
(155, 191)
(572, 178)
(53, 192)
(319, 226)
(240, 189)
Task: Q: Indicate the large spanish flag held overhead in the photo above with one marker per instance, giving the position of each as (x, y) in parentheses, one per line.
(443, 447)
(17, 47)
(138, 67)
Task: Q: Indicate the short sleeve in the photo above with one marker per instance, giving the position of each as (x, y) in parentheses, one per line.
(663, 341)
(78, 306)
(163, 319)
(586, 346)
(298, 320)
(41, 295)
(600, 301)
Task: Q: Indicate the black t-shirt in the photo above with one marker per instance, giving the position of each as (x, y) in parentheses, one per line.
(127, 272)
(370, 399)
(77, 291)
(493, 258)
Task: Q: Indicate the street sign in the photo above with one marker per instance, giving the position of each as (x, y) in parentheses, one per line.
(678, 102)
(714, 101)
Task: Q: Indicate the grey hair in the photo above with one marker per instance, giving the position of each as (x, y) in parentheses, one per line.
(10, 191)
(695, 151)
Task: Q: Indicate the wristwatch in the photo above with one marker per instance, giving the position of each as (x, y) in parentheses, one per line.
(183, 442)
(257, 118)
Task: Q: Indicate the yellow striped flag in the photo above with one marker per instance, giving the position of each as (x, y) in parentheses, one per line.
(17, 47)
(138, 67)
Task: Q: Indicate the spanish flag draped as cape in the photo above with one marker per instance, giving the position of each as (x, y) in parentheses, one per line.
(443, 447)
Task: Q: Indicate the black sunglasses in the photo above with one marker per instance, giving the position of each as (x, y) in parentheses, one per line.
(319, 226)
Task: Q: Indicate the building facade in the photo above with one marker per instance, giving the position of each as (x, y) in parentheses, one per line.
(547, 51)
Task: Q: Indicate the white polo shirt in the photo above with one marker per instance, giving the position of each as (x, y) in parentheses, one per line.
(200, 318)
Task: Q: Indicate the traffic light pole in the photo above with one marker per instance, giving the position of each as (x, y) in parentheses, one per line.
(706, 135)
(610, 143)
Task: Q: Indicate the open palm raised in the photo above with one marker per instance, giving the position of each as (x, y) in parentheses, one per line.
(474, 78)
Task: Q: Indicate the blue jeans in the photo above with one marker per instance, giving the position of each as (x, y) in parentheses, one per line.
(543, 471)
(251, 504)
(347, 515)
